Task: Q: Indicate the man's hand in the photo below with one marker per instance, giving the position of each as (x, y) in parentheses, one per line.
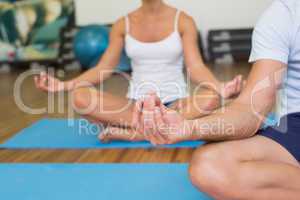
(160, 125)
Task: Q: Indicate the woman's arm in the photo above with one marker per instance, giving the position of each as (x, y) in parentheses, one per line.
(99, 73)
(110, 58)
(196, 69)
(195, 66)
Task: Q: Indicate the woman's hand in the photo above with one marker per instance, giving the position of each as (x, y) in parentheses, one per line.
(160, 125)
(233, 87)
(49, 83)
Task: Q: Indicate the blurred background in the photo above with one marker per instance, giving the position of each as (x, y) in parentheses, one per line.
(42, 33)
(70, 36)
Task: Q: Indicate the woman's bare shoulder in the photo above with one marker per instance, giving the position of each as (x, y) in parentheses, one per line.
(186, 18)
(119, 27)
(186, 22)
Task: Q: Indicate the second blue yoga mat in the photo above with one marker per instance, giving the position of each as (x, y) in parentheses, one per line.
(72, 134)
(97, 181)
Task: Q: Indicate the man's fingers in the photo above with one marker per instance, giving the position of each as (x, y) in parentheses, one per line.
(156, 139)
(152, 140)
(160, 126)
(158, 118)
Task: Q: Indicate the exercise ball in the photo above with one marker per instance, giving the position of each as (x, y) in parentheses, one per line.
(90, 43)
(124, 65)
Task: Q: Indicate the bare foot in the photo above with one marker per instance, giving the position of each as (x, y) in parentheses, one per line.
(233, 87)
(115, 133)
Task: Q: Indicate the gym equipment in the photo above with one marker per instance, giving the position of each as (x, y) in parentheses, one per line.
(97, 181)
(73, 134)
(90, 43)
(229, 44)
(124, 65)
(30, 31)
(49, 33)
(67, 56)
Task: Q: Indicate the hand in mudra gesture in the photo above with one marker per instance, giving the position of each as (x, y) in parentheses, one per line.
(48, 83)
(160, 124)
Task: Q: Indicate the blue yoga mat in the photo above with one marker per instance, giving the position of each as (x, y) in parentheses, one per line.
(97, 181)
(72, 134)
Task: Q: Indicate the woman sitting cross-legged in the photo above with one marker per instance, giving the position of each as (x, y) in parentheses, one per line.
(160, 40)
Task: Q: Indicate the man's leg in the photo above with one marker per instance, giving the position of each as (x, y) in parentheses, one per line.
(254, 168)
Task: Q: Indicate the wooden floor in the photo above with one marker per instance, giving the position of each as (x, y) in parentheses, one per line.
(12, 120)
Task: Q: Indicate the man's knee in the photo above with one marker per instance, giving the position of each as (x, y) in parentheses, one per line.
(211, 173)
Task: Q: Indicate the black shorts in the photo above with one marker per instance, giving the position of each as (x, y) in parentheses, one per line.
(287, 133)
(169, 104)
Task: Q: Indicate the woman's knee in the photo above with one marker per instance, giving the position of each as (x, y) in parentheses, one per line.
(197, 107)
(81, 98)
(213, 174)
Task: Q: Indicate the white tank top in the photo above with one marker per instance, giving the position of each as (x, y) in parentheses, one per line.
(156, 66)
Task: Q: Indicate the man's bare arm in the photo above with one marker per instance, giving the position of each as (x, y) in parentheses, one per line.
(243, 117)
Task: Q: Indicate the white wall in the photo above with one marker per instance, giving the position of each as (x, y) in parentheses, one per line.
(209, 14)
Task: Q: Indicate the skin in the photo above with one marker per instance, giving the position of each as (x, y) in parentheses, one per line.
(240, 164)
(91, 103)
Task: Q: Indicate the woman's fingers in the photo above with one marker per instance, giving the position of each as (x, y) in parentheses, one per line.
(235, 86)
(137, 115)
(43, 80)
(47, 83)
(156, 137)
(152, 140)
(37, 82)
(164, 109)
(150, 126)
(148, 112)
(148, 123)
(237, 82)
(230, 88)
(151, 117)
(240, 83)
(149, 103)
(156, 99)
